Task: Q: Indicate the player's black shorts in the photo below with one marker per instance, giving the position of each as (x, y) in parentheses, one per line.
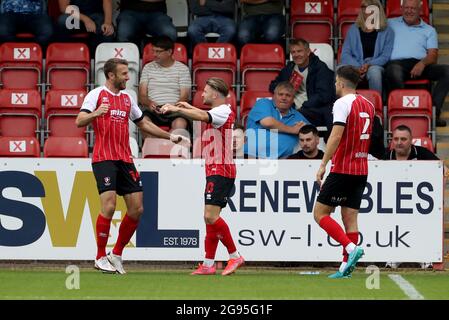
(342, 190)
(218, 190)
(118, 176)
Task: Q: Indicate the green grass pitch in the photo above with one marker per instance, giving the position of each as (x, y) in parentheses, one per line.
(246, 284)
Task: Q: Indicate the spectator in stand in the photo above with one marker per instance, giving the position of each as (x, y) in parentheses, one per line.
(263, 21)
(29, 16)
(368, 44)
(212, 16)
(309, 141)
(238, 140)
(164, 80)
(403, 149)
(273, 125)
(140, 17)
(313, 83)
(96, 18)
(415, 55)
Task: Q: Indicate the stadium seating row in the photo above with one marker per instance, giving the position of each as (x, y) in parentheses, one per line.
(315, 20)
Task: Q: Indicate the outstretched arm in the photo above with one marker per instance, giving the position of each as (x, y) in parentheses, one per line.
(186, 110)
(150, 128)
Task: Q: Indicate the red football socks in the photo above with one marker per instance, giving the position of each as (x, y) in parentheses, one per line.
(224, 235)
(102, 232)
(127, 228)
(211, 241)
(334, 230)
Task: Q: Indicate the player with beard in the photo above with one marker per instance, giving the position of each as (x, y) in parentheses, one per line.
(220, 170)
(108, 109)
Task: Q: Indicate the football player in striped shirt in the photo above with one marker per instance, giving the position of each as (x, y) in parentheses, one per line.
(348, 147)
(220, 170)
(108, 109)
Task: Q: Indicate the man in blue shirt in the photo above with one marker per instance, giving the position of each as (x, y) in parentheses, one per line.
(415, 55)
(25, 16)
(273, 125)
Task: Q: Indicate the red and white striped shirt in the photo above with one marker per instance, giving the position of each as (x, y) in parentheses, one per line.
(112, 129)
(357, 115)
(217, 142)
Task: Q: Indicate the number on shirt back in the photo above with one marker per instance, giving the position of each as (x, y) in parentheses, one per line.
(365, 116)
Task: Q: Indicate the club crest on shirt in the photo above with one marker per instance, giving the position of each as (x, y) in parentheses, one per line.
(107, 181)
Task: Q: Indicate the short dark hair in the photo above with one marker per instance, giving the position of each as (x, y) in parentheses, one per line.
(238, 125)
(403, 127)
(295, 42)
(164, 42)
(350, 74)
(111, 66)
(309, 128)
(218, 85)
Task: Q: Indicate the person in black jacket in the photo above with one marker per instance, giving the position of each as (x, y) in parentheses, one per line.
(313, 82)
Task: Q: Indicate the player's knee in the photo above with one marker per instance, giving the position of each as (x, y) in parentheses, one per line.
(109, 208)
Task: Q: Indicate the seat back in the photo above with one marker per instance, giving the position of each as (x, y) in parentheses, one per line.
(65, 147)
(260, 64)
(312, 20)
(214, 60)
(61, 110)
(347, 12)
(248, 101)
(393, 9)
(412, 108)
(179, 54)
(425, 142)
(122, 50)
(162, 148)
(20, 112)
(325, 52)
(374, 97)
(19, 147)
(64, 101)
(68, 66)
(20, 65)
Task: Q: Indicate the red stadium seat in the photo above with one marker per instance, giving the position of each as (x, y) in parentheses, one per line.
(19, 147)
(214, 60)
(393, 9)
(347, 12)
(260, 64)
(425, 142)
(20, 112)
(179, 54)
(412, 108)
(65, 147)
(374, 97)
(68, 66)
(162, 148)
(248, 101)
(198, 101)
(20, 65)
(61, 110)
(312, 20)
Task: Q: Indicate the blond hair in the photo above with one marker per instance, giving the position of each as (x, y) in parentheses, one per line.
(360, 21)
